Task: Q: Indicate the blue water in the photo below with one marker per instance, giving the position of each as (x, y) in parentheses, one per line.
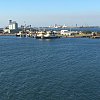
(58, 69)
(91, 29)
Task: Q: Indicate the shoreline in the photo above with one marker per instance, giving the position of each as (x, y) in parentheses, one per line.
(74, 36)
(7, 34)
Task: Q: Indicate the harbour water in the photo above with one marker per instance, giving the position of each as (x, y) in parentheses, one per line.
(57, 69)
(92, 29)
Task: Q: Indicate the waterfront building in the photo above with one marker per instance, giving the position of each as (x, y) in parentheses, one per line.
(64, 26)
(12, 27)
(68, 33)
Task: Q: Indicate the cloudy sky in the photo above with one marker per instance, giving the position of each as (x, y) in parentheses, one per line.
(50, 12)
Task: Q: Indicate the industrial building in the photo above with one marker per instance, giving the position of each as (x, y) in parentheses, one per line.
(12, 27)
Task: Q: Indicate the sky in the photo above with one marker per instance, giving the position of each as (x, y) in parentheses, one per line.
(49, 12)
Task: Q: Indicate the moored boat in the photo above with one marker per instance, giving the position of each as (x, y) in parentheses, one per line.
(46, 35)
(50, 35)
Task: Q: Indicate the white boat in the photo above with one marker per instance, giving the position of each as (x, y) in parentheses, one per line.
(46, 35)
(18, 34)
(21, 34)
(39, 35)
(50, 35)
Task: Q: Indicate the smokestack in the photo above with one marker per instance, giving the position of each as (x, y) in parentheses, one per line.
(10, 21)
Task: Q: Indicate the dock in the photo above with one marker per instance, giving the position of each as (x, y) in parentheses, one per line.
(95, 37)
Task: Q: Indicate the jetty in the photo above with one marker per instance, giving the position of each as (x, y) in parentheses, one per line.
(95, 37)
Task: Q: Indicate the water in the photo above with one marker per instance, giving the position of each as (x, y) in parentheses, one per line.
(58, 69)
(91, 29)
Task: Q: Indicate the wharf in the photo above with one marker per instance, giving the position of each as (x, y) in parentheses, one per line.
(95, 37)
(78, 36)
(7, 34)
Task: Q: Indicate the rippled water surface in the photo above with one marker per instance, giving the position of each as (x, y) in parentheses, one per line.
(58, 69)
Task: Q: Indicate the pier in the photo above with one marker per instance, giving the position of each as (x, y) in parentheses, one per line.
(95, 37)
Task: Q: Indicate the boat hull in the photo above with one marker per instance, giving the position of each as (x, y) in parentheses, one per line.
(51, 37)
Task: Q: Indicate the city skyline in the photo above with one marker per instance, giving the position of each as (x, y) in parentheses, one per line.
(49, 12)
